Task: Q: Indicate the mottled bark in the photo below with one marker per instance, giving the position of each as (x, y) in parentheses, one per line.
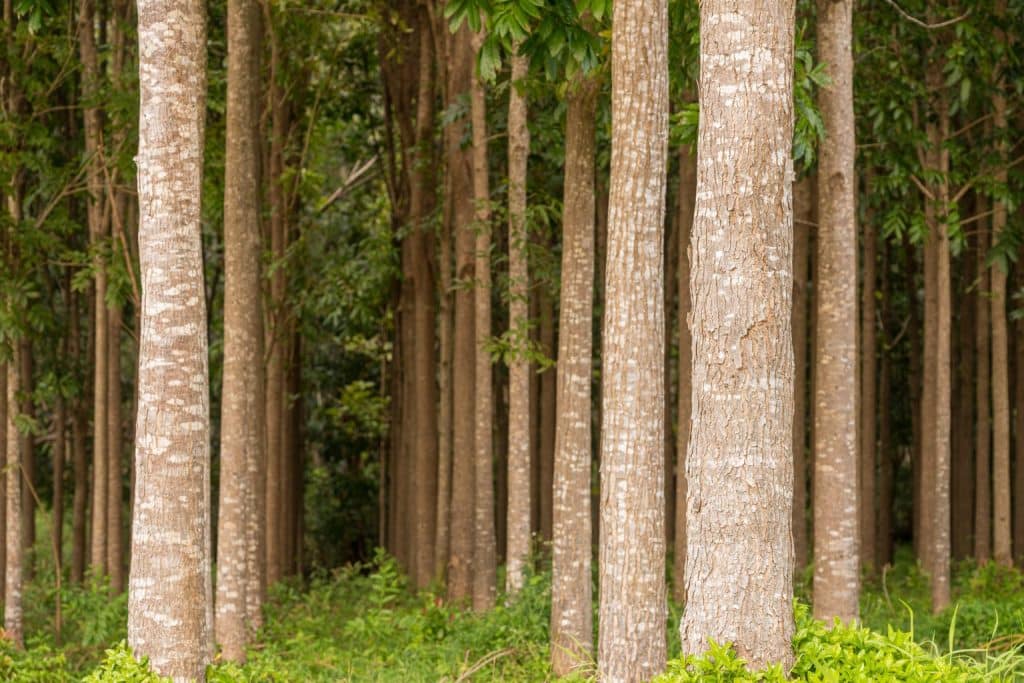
(962, 484)
(739, 467)
(484, 545)
(572, 629)
(239, 527)
(836, 548)
(15, 555)
(983, 415)
(28, 501)
(460, 199)
(171, 531)
(631, 640)
(519, 317)
(686, 199)
(803, 218)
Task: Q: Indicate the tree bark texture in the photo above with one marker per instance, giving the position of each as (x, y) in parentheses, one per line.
(836, 551)
(115, 501)
(687, 197)
(631, 640)
(239, 527)
(868, 389)
(519, 318)
(983, 419)
(803, 218)
(571, 592)
(739, 564)
(15, 553)
(171, 531)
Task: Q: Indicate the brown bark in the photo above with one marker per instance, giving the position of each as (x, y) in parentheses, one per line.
(444, 389)
(739, 467)
(1001, 531)
(803, 218)
(80, 462)
(3, 478)
(460, 199)
(572, 626)
(425, 439)
(1018, 423)
(983, 419)
(115, 554)
(962, 540)
(836, 504)
(97, 233)
(886, 455)
(484, 545)
(28, 457)
(546, 428)
(868, 390)
(15, 554)
(171, 530)
(631, 640)
(519, 490)
(687, 192)
(671, 253)
(240, 553)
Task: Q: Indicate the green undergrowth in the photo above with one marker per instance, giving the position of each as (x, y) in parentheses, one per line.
(362, 623)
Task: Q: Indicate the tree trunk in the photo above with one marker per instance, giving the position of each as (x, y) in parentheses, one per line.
(983, 420)
(460, 198)
(3, 478)
(484, 546)
(1001, 532)
(80, 462)
(868, 391)
(28, 457)
(548, 407)
(962, 541)
(687, 192)
(239, 527)
(15, 554)
(886, 456)
(836, 552)
(444, 389)
(631, 640)
(739, 467)
(115, 554)
(97, 233)
(1018, 348)
(572, 629)
(171, 532)
(803, 218)
(519, 320)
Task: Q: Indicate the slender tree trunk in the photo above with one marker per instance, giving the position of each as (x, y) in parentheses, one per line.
(836, 551)
(13, 623)
(239, 527)
(868, 391)
(803, 218)
(739, 465)
(519, 318)
(274, 332)
(1001, 531)
(671, 253)
(983, 420)
(115, 554)
(60, 418)
(80, 462)
(3, 478)
(444, 388)
(631, 640)
(886, 456)
(484, 546)
(28, 457)
(963, 425)
(548, 407)
(171, 533)
(97, 233)
(572, 629)
(687, 197)
(1018, 348)
(460, 198)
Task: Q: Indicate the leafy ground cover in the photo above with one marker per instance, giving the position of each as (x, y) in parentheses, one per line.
(362, 623)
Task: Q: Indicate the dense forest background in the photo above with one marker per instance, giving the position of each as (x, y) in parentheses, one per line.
(414, 169)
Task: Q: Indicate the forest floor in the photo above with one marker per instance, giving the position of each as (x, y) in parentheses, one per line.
(363, 624)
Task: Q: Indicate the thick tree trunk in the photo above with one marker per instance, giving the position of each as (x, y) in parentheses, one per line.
(572, 626)
(240, 553)
(519, 318)
(687, 197)
(739, 467)
(631, 640)
(803, 219)
(484, 545)
(836, 551)
(460, 198)
(983, 419)
(171, 532)
(15, 553)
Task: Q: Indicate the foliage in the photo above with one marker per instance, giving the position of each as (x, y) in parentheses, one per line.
(121, 666)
